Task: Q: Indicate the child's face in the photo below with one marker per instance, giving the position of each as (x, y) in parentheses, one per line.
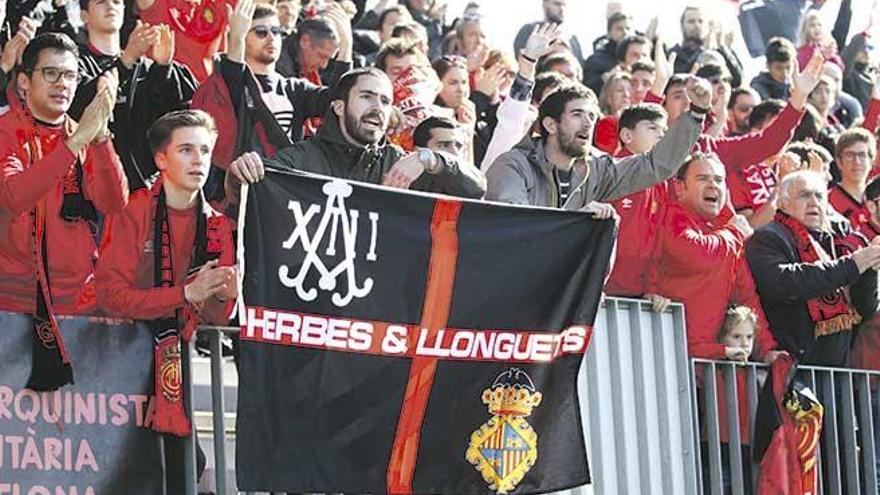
(741, 335)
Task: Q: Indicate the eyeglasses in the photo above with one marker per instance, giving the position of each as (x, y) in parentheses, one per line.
(856, 155)
(263, 31)
(54, 74)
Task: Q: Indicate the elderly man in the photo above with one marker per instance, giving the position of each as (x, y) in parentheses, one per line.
(816, 281)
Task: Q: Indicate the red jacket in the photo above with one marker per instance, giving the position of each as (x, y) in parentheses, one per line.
(71, 248)
(702, 266)
(854, 210)
(639, 214)
(124, 277)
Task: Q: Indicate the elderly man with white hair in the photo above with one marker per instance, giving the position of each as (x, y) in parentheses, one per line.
(816, 277)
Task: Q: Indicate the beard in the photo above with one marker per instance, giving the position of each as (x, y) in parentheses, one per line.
(569, 146)
(356, 130)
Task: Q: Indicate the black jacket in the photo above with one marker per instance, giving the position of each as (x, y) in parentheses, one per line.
(688, 53)
(767, 87)
(603, 59)
(785, 284)
(146, 92)
(329, 153)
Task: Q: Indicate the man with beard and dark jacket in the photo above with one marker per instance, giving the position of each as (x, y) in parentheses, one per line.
(604, 57)
(147, 88)
(817, 278)
(557, 171)
(693, 30)
(351, 145)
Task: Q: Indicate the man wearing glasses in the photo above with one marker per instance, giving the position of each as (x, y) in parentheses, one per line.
(55, 176)
(854, 153)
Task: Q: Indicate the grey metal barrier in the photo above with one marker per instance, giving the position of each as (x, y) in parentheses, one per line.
(848, 453)
(635, 397)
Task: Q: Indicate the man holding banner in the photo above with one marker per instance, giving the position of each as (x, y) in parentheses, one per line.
(378, 357)
(351, 145)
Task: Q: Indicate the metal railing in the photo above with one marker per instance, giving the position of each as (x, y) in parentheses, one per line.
(848, 446)
(647, 409)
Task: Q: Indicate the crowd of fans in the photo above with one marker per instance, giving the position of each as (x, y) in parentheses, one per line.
(750, 198)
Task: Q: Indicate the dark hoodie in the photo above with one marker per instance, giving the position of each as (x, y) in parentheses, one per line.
(768, 88)
(146, 92)
(330, 153)
(603, 59)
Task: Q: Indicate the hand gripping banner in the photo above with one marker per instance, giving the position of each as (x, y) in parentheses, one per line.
(406, 343)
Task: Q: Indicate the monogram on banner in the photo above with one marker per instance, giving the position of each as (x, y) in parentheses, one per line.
(335, 220)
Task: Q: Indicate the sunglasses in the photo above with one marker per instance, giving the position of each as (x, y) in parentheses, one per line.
(263, 31)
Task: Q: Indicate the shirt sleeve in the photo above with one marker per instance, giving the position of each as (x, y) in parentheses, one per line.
(22, 187)
(741, 151)
(105, 183)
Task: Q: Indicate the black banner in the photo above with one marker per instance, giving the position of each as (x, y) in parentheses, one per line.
(91, 438)
(404, 343)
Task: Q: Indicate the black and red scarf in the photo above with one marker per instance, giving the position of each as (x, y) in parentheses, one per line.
(51, 367)
(832, 312)
(170, 415)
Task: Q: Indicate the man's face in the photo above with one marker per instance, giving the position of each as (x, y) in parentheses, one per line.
(186, 160)
(395, 65)
(574, 131)
(288, 13)
(855, 162)
(420, 5)
(451, 141)
(565, 69)
(620, 30)
(636, 52)
(104, 16)
(643, 137)
(779, 71)
(456, 87)
(364, 117)
(261, 45)
(676, 101)
(620, 95)
(741, 335)
(703, 191)
(554, 11)
(641, 84)
(50, 88)
(742, 108)
(806, 202)
(692, 25)
(472, 37)
(316, 55)
(823, 96)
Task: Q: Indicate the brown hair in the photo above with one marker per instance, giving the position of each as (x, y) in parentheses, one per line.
(160, 132)
(850, 137)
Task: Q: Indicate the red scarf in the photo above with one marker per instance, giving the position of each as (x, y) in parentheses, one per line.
(51, 367)
(170, 415)
(830, 313)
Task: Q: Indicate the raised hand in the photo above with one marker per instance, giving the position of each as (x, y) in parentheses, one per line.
(803, 83)
(601, 211)
(487, 81)
(95, 118)
(142, 38)
(15, 47)
(699, 92)
(340, 19)
(664, 67)
(163, 49)
(541, 41)
(240, 19)
(479, 56)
